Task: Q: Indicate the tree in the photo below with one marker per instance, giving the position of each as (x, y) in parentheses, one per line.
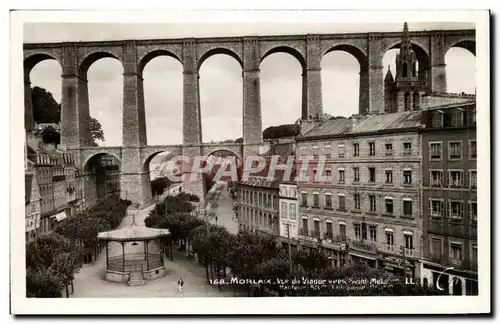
(51, 262)
(43, 252)
(287, 130)
(239, 140)
(46, 110)
(250, 249)
(45, 107)
(310, 260)
(43, 283)
(83, 227)
(51, 135)
(159, 185)
(96, 131)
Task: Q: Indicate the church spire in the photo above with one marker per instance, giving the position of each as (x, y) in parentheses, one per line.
(389, 79)
(405, 43)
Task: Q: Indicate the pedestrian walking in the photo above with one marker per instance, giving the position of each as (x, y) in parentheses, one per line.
(180, 284)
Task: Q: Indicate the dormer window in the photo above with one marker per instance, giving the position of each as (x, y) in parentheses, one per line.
(437, 119)
(457, 118)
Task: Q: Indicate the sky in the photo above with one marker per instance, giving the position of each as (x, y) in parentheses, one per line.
(221, 78)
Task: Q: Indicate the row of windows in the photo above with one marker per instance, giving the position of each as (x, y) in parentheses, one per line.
(455, 249)
(455, 178)
(259, 198)
(455, 150)
(362, 231)
(388, 202)
(455, 209)
(112, 177)
(455, 118)
(46, 206)
(371, 151)
(372, 175)
(44, 175)
(262, 219)
(288, 210)
(409, 102)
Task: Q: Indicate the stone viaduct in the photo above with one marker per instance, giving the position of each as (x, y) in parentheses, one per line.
(75, 59)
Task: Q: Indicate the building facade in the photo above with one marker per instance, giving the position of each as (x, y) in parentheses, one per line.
(450, 198)
(32, 203)
(53, 190)
(258, 205)
(366, 208)
(289, 214)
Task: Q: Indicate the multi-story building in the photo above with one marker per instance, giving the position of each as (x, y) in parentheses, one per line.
(51, 186)
(449, 153)
(107, 177)
(367, 206)
(258, 205)
(32, 203)
(289, 213)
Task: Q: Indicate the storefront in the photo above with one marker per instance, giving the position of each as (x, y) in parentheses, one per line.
(451, 281)
(336, 253)
(367, 259)
(396, 265)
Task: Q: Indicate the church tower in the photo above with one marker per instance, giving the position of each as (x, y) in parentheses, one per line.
(408, 87)
(389, 92)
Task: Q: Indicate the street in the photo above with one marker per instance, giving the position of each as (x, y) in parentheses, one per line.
(89, 280)
(225, 214)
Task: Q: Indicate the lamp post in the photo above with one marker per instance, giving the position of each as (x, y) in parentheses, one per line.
(403, 252)
(289, 247)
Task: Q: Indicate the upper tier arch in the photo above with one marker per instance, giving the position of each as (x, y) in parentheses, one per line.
(354, 50)
(144, 57)
(295, 51)
(214, 50)
(92, 57)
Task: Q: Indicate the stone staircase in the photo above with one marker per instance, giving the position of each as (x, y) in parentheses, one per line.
(136, 279)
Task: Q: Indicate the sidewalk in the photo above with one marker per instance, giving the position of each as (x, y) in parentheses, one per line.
(89, 282)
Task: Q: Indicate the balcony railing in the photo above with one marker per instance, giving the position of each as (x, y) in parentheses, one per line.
(363, 246)
(448, 227)
(389, 248)
(316, 234)
(303, 231)
(398, 250)
(334, 238)
(410, 253)
(462, 264)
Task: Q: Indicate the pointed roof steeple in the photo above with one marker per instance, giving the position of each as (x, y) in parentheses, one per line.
(388, 76)
(405, 42)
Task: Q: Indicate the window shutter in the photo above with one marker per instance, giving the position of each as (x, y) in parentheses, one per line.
(461, 178)
(430, 207)
(462, 209)
(449, 209)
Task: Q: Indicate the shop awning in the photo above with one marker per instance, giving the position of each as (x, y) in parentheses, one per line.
(60, 216)
(364, 256)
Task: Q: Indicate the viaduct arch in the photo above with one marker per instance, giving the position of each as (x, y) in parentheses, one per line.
(76, 57)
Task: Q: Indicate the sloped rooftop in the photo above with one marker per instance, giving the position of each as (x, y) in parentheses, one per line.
(330, 127)
(133, 233)
(366, 124)
(406, 119)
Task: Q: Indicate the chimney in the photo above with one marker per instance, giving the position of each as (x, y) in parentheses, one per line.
(307, 124)
(355, 121)
(49, 147)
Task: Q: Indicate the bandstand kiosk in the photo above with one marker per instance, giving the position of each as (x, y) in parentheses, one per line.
(136, 253)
